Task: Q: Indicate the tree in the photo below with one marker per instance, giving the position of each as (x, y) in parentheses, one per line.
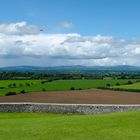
(14, 85)
(72, 88)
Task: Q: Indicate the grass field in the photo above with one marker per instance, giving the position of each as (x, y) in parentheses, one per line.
(135, 86)
(36, 86)
(28, 126)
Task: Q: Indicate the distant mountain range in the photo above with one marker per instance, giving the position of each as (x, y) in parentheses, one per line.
(76, 68)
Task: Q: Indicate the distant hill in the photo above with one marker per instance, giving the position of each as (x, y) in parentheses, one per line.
(76, 68)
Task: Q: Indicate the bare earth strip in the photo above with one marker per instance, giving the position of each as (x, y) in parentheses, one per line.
(92, 96)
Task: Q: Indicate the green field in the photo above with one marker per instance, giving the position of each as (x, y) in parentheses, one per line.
(29, 126)
(129, 87)
(36, 86)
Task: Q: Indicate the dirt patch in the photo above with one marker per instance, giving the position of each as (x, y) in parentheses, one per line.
(92, 96)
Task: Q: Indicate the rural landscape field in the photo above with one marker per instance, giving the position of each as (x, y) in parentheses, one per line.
(21, 86)
(131, 87)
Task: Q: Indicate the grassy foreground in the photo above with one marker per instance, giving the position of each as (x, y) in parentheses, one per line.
(28, 126)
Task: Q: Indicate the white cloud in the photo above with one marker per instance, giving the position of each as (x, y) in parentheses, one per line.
(22, 44)
(67, 25)
(20, 28)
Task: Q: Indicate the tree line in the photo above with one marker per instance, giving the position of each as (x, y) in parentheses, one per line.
(65, 76)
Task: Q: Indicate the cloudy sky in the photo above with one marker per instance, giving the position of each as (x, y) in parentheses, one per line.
(69, 32)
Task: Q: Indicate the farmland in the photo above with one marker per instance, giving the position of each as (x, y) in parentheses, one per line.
(58, 85)
(124, 126)
(133, 87)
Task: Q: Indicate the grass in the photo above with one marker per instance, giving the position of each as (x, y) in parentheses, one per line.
(5, 83)
(29, 126)
(36, 86)
(135, 87)
(131, 86)
(56, 85)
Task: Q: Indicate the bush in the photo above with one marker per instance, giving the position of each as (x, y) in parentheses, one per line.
(43, 89)
(23, 91)
(10, 85)
(27, 84)
(108, 85)
(117, 84)
(129, 82)
(72, 88)
(42, 82)
(10, 93)
(80, 89)
(50, 80)
(14, 85)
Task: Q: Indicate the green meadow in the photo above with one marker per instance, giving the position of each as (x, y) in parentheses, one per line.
(128, 87)
(29, 126)
(58, 85)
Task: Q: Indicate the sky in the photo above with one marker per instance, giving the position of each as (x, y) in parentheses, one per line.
(69, 32)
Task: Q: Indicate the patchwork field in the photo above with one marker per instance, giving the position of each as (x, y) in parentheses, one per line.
(28, 126)
(19, 86)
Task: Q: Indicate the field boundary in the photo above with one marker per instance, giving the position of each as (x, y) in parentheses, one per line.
(66, 108)
(119, 89)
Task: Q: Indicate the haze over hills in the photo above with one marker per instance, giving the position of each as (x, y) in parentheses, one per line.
(73, 68)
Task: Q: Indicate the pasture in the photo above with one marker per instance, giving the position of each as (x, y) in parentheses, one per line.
(58, 85)
(29, 126)
(134, 86)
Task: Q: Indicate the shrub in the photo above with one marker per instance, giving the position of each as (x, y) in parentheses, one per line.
(23, 91)
(72, 88)
(108, 85)
(27, 84)
(14, 85)
(43, 89)
(80, 89)
(117, 84)
(42, 82)
(10, 85)
(129, 82)
(50, 80)
(10, 93)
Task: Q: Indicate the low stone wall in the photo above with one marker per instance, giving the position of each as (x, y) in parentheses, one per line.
(65, 108)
